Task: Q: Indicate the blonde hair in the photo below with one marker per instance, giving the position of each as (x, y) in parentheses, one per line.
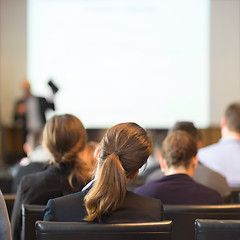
(64, 136)
(123, 150)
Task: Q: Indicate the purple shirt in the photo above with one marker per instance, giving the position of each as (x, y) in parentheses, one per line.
(179, 189)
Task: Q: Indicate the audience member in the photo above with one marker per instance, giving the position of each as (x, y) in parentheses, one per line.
(64, 136)
(179, 161)
(89, 156)
(37, 160)
(147, 169)
(123, 150)
(152, 162)
(224, 156)
(203, 174)
(5, 228)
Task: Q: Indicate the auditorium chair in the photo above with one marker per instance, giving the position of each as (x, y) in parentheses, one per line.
(207, 229)
(235, 195)
(184, 216)
(97, 231)
(5, 182)
(30, 214)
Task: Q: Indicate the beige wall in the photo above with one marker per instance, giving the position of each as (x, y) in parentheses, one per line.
(224, 56)
(12, 54)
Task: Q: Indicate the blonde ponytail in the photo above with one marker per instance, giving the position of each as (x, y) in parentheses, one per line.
(109, 190)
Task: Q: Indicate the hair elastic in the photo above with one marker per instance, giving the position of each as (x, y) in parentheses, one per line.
(117, 152)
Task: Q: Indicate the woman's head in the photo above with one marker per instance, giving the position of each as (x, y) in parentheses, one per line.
(123, 150)
(65, 137)
(127, 142)
(178, 149)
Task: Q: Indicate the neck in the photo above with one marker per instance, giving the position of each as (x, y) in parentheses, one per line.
(228, 134)
(179, 170)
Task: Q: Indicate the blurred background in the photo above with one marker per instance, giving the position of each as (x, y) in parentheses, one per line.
(153, 62)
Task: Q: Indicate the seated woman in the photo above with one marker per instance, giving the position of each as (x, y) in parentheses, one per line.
(64, 137)
(123, 150)
(5, 228)
(179, 161)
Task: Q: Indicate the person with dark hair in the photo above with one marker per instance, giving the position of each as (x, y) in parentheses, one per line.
(123, 150)
(179, 161)
(224, 156)
(203, 174)
(64, 137)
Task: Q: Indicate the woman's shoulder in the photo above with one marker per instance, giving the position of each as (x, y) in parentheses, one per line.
(49, 171)
(41, 183)
(139, 199)
(136, 208)
(68, 208)
(70, 199)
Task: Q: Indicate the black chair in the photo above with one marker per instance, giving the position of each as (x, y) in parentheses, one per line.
(91, 231)
(184, 216)
(5, 182)
(235, 195)
(9, 200)
(30, 214)
(217, 229)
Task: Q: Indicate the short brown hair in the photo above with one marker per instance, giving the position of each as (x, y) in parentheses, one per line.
(232, 115)
(187, 127)
(178, 149)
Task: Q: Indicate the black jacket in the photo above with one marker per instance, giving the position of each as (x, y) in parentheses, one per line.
(135, 208)
(38, 188)
(43, 104)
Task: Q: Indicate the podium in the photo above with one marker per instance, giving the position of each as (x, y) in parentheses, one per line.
(12, 140)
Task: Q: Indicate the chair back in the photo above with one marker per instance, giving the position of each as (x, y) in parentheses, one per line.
(89, 231)
(5, 182)
(9, 200)
(217, 229)
(30, 214)
(184, 216)
(235, 195)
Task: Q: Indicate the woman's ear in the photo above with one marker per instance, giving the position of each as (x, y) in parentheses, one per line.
(133, 175)
(195, 162)
(157, 154)
(96, 153)
(163, 164)
(223, 122)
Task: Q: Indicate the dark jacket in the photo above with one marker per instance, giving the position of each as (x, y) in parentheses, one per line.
(43, 105)
(32, 167)
(38, 188)
(135, 208)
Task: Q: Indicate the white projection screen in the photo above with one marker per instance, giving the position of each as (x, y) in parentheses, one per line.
(114, 61)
